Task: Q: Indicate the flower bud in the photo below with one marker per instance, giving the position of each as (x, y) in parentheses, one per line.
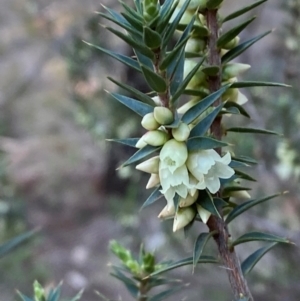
(184, 108)
(149, 123)
(234, 69)
(182, 132)
(163, 115)
(233, 43)
(156, 100)
(168, 211)
(155, 138)
(183, 217)
(141, 143)
(150, 166)
(240, 194)
(203, 213)
(39, 291)
(230, 95)
(189, 200)
(154, 180)
(197, 79)
(151, 9)
(195, 44)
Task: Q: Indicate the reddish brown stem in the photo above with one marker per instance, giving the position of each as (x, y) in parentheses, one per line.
(230, 260)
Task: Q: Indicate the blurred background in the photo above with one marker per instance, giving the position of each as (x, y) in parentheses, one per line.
(58, 173)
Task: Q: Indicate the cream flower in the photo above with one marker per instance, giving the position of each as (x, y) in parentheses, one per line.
(207, 166)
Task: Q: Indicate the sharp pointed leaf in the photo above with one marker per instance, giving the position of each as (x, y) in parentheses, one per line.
(23, 297)
(141, 154)
(236, 51)
(197, 143)
(153, 197)
(184, 262)
(138, 107)
(152, 39)
(195, 111)
(140, 95)
(127, 141)
(120, 57)
(134, 22)
(230, 104)
(243, 175)
(249, 263)
(175, 73)
(199, 245)
(167, 11)
(251, 130)
(245, 159)
(259, 236)
(129, 283)
(207, 202)
(155, 81)
(202, 127)
(232, 33)
(165, 294)
(199, 93)
(246, 206)
(237, 164)
(243, 10)
(247, 84)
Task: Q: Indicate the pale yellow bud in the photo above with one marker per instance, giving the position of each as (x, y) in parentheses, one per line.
(196, 45)
(233, 43)
(184, 108)
(234, 69)
(183, 217)
(149, 123)
(155, 138)
(230, 95)
(150, 166)
(168, 211)
(141, 143)
(204, 214)
(197, 79)
(153, 181)
(163, 115)
(189, 200)
(156, 100)
(182, 132)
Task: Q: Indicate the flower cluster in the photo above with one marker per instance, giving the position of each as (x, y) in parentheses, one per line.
(179, 171)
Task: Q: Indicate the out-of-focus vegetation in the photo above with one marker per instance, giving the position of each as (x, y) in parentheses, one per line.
(54, 119)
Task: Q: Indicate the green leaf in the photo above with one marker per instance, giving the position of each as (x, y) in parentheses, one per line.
(202, 127)
(247, 84)
(165, 294)
(243, 11)
(55, 293)
(230, 104)
(195, 111)
(211, 70)
(78, 296)
(245, 159)
(259, 236)
(15, 242)
(237, 164)
(186, 81)
(134, 44)
(183, 262)
(140, 95)
(199, 245)
(236, 51)
(143, 60)
(119, 20)
(199, 93)
(175, 73)
(232, 33)
(131, 12)
(175, 123)
(140, 154)
(169, 33)
(127, 141)
(246, 206)
(23, 297)
(153, 197)
(155, 81)
(138, 107)
(139, 6)
(198, 30)
(167, 11)
(134, 22)
(249, 263)
(244, 176)
(206, 201)
(151, 38)
(153, 282)
(175, 54)
(129, 283)
(251, 130)
(229, 189)
(197, 143)
(213, 4)
(120, 57)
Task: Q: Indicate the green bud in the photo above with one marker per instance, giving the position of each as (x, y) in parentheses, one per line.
(133, 266)
(156, 138)
(163, 115)
(183, 217)
(123, 254)
(150, 166)
(148, 263)
(149, 123)
(182, 132)
(234, 69)
(39, 292)
(151, 9)
(233, 43)
(203, 213)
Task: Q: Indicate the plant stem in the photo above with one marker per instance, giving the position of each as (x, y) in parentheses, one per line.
(143, 290)
(230, 260)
